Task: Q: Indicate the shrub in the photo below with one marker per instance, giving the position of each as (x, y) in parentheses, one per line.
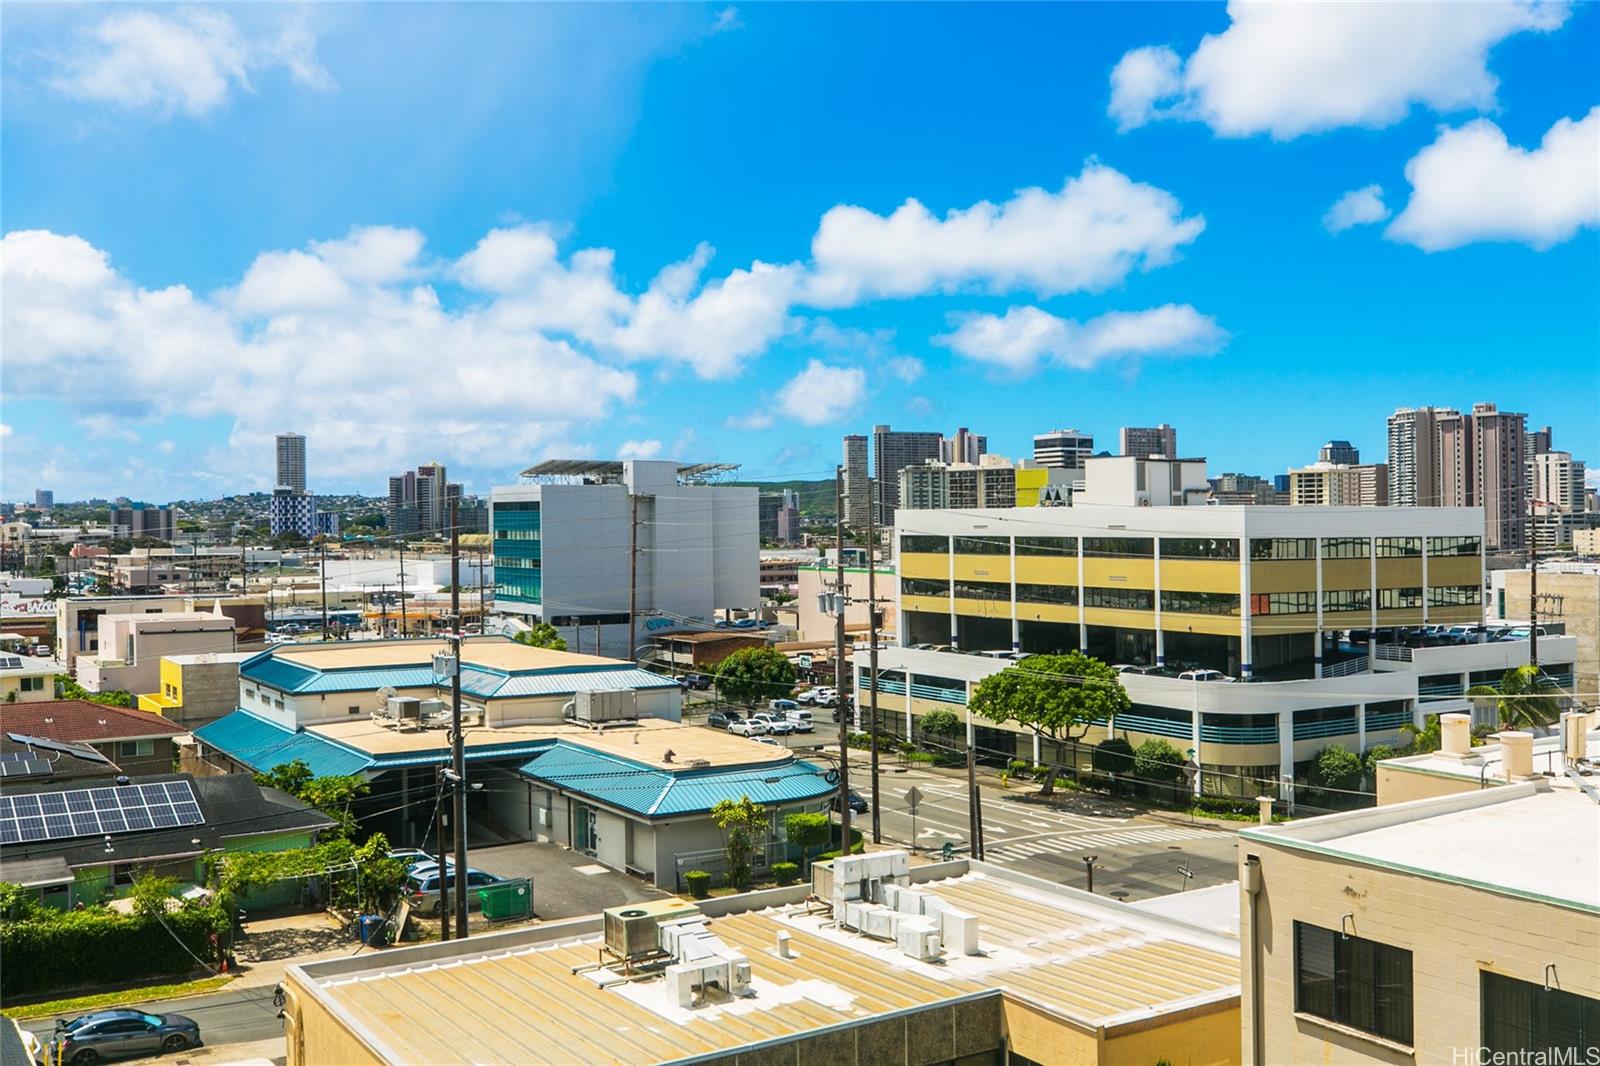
(1376, 754)
(1017, 766)
(1336, 768)
(806, 830)
(1113, 755)
(698, 882)
(1156, 760)
(60, 950)
(940, 723)
(785, 872)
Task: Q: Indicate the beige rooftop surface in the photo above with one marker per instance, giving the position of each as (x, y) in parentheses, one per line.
(646, 741)
(495, 653)
(1095, 962)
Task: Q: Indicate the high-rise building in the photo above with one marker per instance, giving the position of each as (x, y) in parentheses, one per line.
(1414, 476)
(293, 512)
(142, 520)
(1062, 449)
(789, 519)
(1148, 441)
(963, 486)
(1339, 485)
(291, 462)
(1243, 490)
(419, 501)
(964, 447)
(1481, 464)
(1556, 483)
(768, 504)
(44, 499)
(1341, 452)
(1534, 442)
(857, 474)
(893, 451)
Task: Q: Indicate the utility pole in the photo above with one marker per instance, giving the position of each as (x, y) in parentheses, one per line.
(872, 654)
(383, 603)
(1533, 590)
(444, 854)
(974, 844)
(838, 662)
(404, 629)
(322, 568)
(458, 757)
(633, 580)
(483, 611)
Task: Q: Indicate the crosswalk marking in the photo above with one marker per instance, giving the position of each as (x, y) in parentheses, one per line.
(1084, 841)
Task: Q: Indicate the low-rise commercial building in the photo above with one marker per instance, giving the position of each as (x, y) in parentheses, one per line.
(814, 623)
(1569, 594)
(196, 689)
(679, 652)
(131, 647)
(77, 618)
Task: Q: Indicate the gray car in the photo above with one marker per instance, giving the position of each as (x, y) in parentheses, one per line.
(422, 887)
(121, 1034)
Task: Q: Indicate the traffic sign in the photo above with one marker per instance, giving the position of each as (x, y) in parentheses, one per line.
(913, 799)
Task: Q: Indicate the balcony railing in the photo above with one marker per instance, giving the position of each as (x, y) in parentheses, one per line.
(1346, 668)
(1393, 653)
(1333, 727)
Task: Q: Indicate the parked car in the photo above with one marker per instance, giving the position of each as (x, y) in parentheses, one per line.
(806, 697)
(767, 740)
(121, 1034)
(422, 887)
(777, 726)
(825, 697)
(858, 804)
(723, 719)
(42, 650)
(699, 682)
(1204, 675)
(748, 727)
(1133, 668)
(412, 857)
(801, 718)
(782, 707)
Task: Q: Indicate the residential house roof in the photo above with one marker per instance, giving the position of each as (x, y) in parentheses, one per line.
(655, 793)
(80, 720)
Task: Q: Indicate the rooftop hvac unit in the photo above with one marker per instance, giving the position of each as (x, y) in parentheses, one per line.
(405, 708)
(633, 931)
(918, 938)
(879, 921)
(430, 708)
(605, 705)
(959, 930)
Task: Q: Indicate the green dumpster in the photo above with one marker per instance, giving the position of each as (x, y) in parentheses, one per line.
(506, 901)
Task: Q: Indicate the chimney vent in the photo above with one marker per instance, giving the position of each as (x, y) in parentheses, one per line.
(1455, 735)
(1575, 729)
(1516, 755)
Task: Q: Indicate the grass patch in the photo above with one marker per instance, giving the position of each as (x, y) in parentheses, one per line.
(84, 1004)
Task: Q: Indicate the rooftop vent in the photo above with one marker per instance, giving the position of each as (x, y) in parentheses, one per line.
(700, 960)
(631, 931)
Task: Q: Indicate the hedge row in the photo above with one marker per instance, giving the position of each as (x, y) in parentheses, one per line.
(77, 949)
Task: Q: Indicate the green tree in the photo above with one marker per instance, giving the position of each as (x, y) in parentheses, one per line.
(940, 723)
(1058, 697)
(1156, 760)
(742, 822)
(1336, 768)
(150, 895)
(68, 689)
(806, 830)
(1113, 755)
(381, 878)
(1528, 699)
(752, 674)
(335, 797)
(543, 635)
(290, 777)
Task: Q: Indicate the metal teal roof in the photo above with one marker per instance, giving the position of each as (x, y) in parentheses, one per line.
(293, 677)
(264, 746)
(568, 682)
(369, 679)
(656, 793)
(268, 669)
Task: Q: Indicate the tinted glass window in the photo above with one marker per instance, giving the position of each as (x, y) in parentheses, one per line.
(1353, 981)
(920, 543)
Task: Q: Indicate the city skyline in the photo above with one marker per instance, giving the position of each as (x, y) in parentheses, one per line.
(1302, 266)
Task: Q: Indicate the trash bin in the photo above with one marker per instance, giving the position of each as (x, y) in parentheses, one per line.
(370, 929)
(507, 900)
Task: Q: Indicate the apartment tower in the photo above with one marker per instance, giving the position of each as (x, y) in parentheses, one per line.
(291, 462)
(1147, 441)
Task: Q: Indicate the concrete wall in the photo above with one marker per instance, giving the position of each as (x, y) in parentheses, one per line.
(1571, 598)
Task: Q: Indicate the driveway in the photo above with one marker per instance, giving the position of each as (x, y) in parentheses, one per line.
(566, 884)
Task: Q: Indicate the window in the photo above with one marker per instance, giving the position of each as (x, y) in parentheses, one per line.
(1520, 1017)
(1284, 548)
(1199, 548)
(1455, 545)
(1346, 548)
(1061, 595)
(1454, 596)
(915, 543)
(355, 709)
(1389, 599)
(1334, 600)
(122, 873)
(1283, 603)
(983, 590)
(1047, 545)
(1397, 547)
(1119, 547)
(133, 749)
(33, 684)
(517, 506)
(983, 546)
(1120, 599)
(1200, 602)
(1353, 981)
(921, 586)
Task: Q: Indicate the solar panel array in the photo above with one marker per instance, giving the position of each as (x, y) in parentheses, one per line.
(10, 662)
(23, 764)
(96, 811)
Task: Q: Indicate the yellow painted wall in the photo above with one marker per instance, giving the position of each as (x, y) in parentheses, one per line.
(1208, 1036)
(1030, 483)
(1046, 612)
(1455, 570)
(1200, 575)
(1283, 575)
(1041, 1036)
(1047, 569)
(983, 608)
(1344, 574)
(1120, 573)
(983, 568)
(1406, 616)
(1265, 624)
(1217, 624)
(1401, 573)
(924, 564)
(930, 604)
(314, 1037)
(1106, 616)
(1399, 785)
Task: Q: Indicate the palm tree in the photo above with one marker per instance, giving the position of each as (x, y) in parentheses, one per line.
(1528, 699)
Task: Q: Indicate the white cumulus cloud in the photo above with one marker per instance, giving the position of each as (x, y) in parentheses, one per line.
(1092, 234)
(820, 393)
(1471, 184)
(189, 61)
(1288, 69)
(1359, 207)
(639, 449)
(1019, 339)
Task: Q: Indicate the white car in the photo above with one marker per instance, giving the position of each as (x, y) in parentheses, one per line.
(749, 727)
(825, 697)
(1203, 675)
(776, 725)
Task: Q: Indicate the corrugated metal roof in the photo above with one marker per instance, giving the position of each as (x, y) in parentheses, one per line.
(485, 684)
(268, 669)
(492, 751)
(264, 746)
(570, 681)
(657, 793)
(370, 679)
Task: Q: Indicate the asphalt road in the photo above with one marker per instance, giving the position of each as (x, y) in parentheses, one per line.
(236, 1017)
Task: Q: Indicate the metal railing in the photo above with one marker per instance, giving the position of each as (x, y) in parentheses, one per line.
(1346, 668)
(1394, 653)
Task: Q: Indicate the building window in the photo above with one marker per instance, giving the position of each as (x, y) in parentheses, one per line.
(122, 873)
(1119, 547)
(1047, 545)
(135, 749)
(1455, 545)
(1059, 595)
(1454, 596)
(1199, 548)
(983, 546)
(33, 684)
(1391, 599)
(1535, 1023)
(1283, 548)
(1346, 548)
(923, 544)
(921, 586)
(354, 709)
(1335, 600)
(1120, 599)
(1397, 547)
(1283, 603)
(516, 506)
(1353, 981)
(1225, 603)
(983, 590)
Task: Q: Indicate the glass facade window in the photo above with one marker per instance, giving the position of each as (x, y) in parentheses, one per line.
(1047, 545)
(1119, 547)
(1398, 547)
(1353, 981)
(1120, 599)
(517, 551)
(1395, 599)
(984, 590)
(1284, 548)
(919, 543)
(1455, 545)
(1200, 602)
(1334, 600)
(983, 545)
(1283, 603)
(922, 586)
(1060, 595)
(1527, 1022)
(1199, 548)
(1346, 548)
(1454, 596)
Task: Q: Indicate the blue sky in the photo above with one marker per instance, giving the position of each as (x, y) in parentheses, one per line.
(491, 234)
